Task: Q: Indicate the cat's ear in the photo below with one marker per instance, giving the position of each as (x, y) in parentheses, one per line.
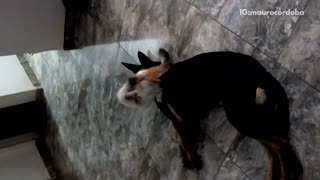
(166, 60)
(146, 62)
(132, 67)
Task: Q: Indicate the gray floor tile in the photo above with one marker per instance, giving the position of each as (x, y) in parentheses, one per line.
(229, 171)
(268, 33)
(202, 34)
(250, 156)
(152, 24)
(301, 55)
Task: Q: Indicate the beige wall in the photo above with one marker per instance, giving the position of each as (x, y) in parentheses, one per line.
(31, 26)
(15, 85)
(22, 161)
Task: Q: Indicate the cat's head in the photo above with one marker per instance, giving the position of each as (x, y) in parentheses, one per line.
(144, 85)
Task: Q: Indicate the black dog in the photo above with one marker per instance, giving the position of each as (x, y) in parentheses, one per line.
(254, 101)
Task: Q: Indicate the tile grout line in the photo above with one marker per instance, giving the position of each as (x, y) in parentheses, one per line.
(295, 75)
(226, 156)
(121, 27)
(126, 51)
(245, 174)
(229, 150)
(221, 164)
(255, 48)
(214, 19)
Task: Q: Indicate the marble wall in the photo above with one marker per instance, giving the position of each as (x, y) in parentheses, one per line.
(92, 136)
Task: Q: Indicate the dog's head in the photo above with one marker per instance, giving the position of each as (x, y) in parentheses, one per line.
(144, 85)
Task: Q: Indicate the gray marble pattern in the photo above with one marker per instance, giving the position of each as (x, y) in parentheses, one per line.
(250, 157)
(301, 55)
(158, 22)
(203, 34)
(267, 33)
(91, 136)
(230, 171)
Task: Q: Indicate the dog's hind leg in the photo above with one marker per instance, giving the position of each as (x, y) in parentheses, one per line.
(274, 172)
(291, 168)
(290, 165)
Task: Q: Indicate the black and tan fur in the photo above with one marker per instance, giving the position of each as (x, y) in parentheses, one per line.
(254, 101)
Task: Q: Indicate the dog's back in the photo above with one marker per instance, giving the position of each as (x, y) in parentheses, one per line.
(201, 82)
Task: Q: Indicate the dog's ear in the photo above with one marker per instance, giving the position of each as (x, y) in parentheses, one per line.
(132, 67)
(146, 62)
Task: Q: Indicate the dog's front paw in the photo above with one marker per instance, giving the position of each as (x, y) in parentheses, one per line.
(187, 164)
(197, 163)
(185, 161)
(192, 162)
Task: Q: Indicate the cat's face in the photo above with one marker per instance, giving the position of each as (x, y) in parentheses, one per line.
(144, 85)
